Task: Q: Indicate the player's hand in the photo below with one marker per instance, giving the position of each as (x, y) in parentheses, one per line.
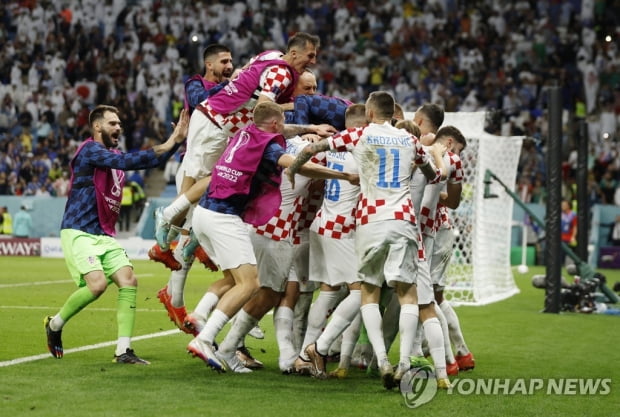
(324, 130)
(311, 137)
(181, 127)
(354, 179)
(439, 148)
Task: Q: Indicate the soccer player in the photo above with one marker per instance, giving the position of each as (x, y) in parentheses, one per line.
(334, 263)
(218, 68)
(244, 189)
(269, 77)
(425, 197)
(94, 258)
(387, 238)
(440, 258)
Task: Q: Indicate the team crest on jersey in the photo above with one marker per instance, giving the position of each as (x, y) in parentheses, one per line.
(91, 260)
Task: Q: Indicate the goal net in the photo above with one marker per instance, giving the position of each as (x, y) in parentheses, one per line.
(480, 271)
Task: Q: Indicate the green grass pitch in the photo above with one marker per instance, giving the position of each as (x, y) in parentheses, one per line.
(511, 340)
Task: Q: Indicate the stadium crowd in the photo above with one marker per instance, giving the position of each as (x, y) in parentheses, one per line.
(59, 59)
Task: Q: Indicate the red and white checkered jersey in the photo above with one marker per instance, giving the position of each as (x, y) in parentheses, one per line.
(384, 156)
(442, 218)
(336, 218)
(273, 80)
(281, 225)
(431, 192)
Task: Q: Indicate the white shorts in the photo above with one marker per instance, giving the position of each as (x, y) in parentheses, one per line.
(224, 237)
(334, 261)
(423, 281)
(205, 144)
(301, 264)
(441, 254)
(274, 259)
(387, 252)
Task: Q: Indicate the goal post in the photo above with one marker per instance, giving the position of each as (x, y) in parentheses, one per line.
(480, 271)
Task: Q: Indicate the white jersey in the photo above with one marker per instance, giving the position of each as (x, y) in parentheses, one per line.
(336, 217)
(384, 156)
(281, 225)
(425, 195)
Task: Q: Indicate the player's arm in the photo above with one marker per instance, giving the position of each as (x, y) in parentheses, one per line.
(452, 198)
(304, 156)
(317, 171)
(438, 172)
(322, 130)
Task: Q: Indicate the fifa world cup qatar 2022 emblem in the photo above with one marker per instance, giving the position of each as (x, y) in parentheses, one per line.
(418, 386)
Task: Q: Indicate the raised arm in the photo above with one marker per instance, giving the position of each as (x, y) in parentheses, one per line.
(304, 156)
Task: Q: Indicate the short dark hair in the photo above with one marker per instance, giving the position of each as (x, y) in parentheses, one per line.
(383, 103)
(300, 39)
(98, 112)
(434, 113)
(214, 49)
(451, 131)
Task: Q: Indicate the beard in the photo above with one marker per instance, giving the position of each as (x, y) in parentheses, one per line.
(109, 141)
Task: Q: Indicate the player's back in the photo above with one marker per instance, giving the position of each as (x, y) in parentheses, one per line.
(384, 155)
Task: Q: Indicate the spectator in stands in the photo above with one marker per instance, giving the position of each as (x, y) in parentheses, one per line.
(6, 222)
(22, 222)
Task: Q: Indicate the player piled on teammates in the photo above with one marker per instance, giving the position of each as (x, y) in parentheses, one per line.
(387, 238)
(425, 197)
(270, 76)
(334, 263)
(244, 189)
(218, 68)
(272, 243)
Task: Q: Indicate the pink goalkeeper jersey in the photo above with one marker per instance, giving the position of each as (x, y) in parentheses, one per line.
(385, 156)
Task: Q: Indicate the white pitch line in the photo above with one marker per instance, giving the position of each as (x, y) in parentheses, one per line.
(142, 310)
(84, 348)
(64, 281)
(28, 284)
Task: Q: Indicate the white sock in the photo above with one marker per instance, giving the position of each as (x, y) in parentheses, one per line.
(341, 319)
(122, 345)
(373, 322)
(446, 336)
(407, 324)
(206, 304)
(57, 323)
(243, 323)
(176, 283)
(177, 206)
(349, 339)
(454, 328)
(283, 324)
(416, 348)
(214, 325)
(300, 321)
(434, 336)
(320, 310)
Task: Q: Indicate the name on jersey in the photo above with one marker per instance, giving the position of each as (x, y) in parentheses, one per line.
(337, 155)
(389, 140)
(228, 173)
